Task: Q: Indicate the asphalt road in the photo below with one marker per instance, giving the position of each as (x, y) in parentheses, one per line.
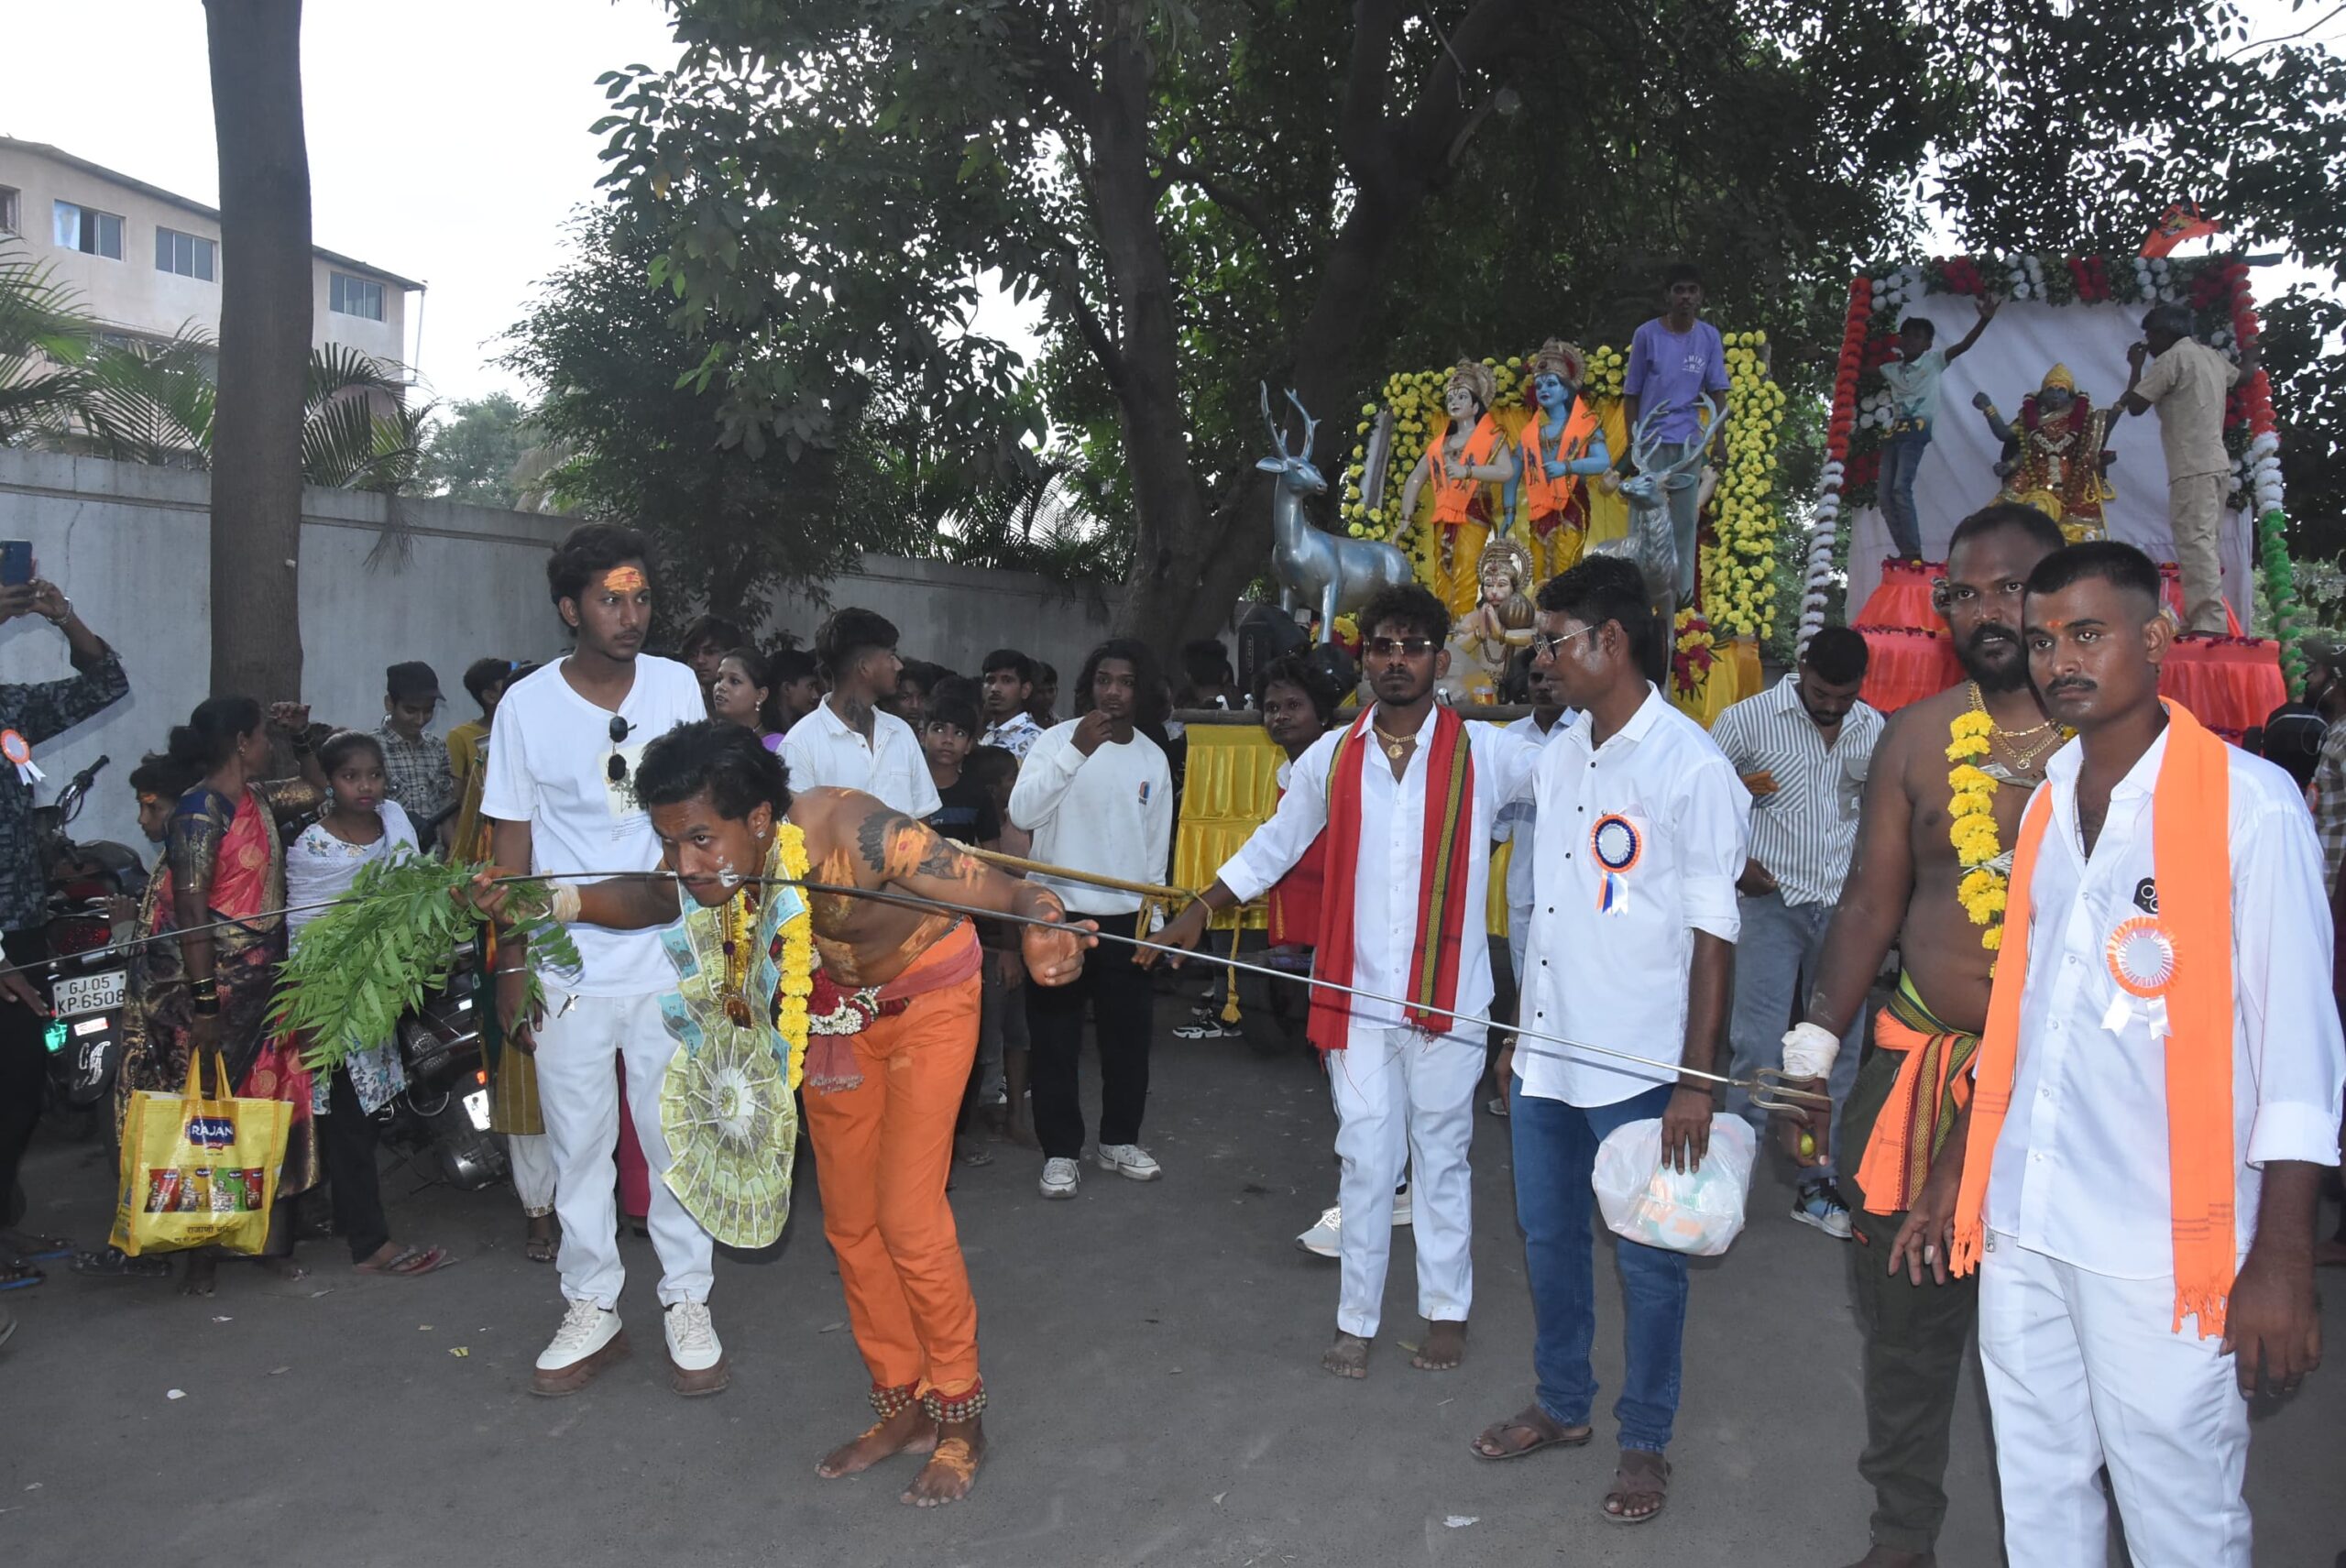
(1151, 1350)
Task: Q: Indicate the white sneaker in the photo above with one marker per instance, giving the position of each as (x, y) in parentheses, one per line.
(1401, 1211)
(1059, 1177)
(1131, 1160)
(696, 1358)
(1325, 1238)
(590, 1340)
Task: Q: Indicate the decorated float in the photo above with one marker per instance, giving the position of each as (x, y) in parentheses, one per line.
(2031, 413)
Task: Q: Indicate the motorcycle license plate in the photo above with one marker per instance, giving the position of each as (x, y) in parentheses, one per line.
(476, 1108)
(73, 995)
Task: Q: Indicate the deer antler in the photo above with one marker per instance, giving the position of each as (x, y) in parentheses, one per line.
(1310, 425)
(1640, 448)
(1704, 434)
(1279, 435)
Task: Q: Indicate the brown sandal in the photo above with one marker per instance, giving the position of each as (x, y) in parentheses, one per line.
(1641, 1473)
(1544, 1429)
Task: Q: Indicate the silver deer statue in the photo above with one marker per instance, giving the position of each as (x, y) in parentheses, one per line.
(1651, 543)
(1339, 574)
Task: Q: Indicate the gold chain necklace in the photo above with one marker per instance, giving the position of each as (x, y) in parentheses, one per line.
(2024, 757)
(1396, 746)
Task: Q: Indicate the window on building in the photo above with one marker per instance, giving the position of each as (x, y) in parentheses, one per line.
(189, 254)
(8, 201)
(356, 297)
(87, 230)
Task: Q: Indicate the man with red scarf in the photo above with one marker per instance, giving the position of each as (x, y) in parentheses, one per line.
(1407, 794)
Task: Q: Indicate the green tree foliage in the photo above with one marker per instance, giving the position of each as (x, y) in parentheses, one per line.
(475, 454)
(1208, 194)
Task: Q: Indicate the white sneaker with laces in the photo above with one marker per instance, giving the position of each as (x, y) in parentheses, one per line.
(1059, 1177)
(1401, 1211)
(590, 1339)
(1325, 1238)
(694, 1356)
(1129, 1160)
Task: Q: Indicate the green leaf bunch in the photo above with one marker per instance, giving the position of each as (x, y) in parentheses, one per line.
(388, 941)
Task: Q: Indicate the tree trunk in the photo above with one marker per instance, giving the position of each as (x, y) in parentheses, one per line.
(266, 314)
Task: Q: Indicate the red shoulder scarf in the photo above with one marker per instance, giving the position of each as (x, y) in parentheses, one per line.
(1442, 880)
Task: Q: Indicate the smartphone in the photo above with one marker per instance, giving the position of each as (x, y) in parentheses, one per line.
(15, 562)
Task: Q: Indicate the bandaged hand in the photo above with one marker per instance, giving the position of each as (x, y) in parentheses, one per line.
(1810, 1051)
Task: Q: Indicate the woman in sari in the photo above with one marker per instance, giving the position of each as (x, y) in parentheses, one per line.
(211, 990)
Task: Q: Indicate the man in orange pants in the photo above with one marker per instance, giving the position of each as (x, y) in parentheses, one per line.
(892, 1027)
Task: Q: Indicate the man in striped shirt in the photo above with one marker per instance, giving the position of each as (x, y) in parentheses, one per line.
(2326, 690)
(1802, 746)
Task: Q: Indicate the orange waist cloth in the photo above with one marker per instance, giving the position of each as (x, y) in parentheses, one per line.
(1933, 1086)
(882, 1151)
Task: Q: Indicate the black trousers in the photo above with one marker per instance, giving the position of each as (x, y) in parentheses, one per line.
(1122, 996)
(346, 1140)
(23, 1064)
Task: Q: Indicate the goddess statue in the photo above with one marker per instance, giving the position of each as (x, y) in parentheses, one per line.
(1561, 445)
(2054, 457)
(1464, 454)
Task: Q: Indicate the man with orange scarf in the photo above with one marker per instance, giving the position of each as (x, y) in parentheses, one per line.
(1406, 796)
(2155, 1095)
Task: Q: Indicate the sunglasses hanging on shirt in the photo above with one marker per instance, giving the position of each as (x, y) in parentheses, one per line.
(617, 771)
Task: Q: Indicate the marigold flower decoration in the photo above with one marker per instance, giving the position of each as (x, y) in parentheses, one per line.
(1739, 569)
(797, 954)
(1972, 828)
(1691, 658)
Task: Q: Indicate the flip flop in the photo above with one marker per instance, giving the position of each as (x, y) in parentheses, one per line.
(541, 1249)
(1534, 1420)
(19, 1276)
(411, 1262)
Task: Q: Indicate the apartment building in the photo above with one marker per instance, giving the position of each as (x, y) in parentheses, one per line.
(148, 263)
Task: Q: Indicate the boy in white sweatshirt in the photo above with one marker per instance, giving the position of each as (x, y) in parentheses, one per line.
(1098, 797)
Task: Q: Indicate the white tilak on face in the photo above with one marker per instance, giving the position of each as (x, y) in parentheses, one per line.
(727, 876)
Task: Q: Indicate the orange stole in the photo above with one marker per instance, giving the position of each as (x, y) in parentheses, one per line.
(1549, 502)
(1454, 497)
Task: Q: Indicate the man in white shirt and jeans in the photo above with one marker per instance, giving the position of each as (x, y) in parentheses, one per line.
(1642, 833)
(558, 796)
(849, 741)
(1406, 787)
(1802, 748)
(1098, 796)
(2156, 1096)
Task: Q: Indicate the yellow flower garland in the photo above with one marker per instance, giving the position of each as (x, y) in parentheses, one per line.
(797, 953)
(1971, 826)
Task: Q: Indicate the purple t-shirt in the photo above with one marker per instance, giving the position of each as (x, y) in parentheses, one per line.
(1676, 368)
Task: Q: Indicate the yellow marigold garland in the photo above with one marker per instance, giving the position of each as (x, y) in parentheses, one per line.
(797, 953)
(1971, 826)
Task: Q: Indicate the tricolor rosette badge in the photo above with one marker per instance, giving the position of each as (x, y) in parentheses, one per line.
(1618, 843)
(2141, 955)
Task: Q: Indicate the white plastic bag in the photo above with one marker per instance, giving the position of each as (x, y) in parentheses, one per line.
(1699, 1213)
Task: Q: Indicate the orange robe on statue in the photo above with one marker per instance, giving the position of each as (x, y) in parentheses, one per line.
(1462, 512)
(1556, 510)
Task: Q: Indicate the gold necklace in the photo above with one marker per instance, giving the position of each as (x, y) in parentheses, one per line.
(1396, 746)
(2024, 757)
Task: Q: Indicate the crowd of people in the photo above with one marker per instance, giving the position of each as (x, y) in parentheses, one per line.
(2078, 884)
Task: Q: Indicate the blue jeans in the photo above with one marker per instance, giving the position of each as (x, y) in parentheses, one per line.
(1555, 1154)
(1900, 455)
(1776, 957)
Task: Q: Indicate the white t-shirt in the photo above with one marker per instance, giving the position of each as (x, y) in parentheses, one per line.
(1110, 812)
(550, 768)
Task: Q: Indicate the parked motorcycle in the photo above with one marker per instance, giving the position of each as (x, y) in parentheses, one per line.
(442, 1119)
(93, 900)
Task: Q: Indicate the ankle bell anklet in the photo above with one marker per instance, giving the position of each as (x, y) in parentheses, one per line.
(961, 1407)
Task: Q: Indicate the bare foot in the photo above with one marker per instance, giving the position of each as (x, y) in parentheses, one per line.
(1348, 1358)
(909, 1430)
(282, 1268)
(202, 1277)
(1444, 1348)
(952, 1470)
(1021, 1131)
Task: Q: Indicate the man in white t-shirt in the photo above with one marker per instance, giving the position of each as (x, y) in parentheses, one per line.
(561, 802)
(1913, 381)
(1098, 796)
(849, 741)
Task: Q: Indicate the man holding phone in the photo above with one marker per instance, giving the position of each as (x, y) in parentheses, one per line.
(32, 713)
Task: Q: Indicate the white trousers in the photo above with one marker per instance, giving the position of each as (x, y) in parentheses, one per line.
(530, 1157)
(578, 1094)
(1405, 1101)
(2082, 1372)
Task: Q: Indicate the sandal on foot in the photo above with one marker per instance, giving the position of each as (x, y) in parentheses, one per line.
(410, 1261)
(1641, 1473)
(19, 1276)
(541, 1249)
(1545, 1430)
(30, 1249)
(113, 1263)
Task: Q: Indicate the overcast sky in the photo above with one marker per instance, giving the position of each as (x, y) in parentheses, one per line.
(447, 138)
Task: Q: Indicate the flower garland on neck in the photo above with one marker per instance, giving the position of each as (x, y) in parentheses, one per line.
(1972, 828)
(797, 938)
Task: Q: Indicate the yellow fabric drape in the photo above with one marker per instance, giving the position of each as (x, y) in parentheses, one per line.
(1229, 787)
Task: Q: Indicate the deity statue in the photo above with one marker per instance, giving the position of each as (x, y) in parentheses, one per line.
(1499, 623)
(1560, 447)
(2054, 457)
(1464, 454)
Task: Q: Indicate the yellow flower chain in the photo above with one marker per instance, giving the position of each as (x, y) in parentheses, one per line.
(797, 953)
(1971, 826)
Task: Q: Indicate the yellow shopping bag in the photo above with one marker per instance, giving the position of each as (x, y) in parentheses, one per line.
(199, 1171)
